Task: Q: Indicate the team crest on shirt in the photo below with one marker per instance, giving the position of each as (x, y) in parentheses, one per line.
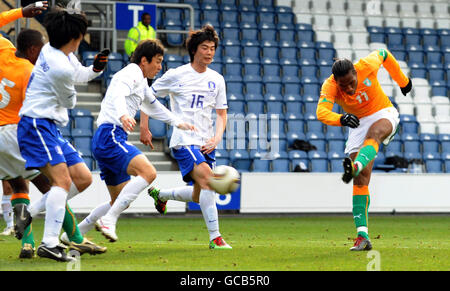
(211, 86)
(367, 82)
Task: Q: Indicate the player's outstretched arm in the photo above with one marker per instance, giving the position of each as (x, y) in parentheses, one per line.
(392, 66)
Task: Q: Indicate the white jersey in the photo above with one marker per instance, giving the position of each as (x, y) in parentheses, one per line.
(193, 96)
(51, 89)
(127, 93)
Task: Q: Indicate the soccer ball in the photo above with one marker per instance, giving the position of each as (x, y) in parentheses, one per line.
(225, 179)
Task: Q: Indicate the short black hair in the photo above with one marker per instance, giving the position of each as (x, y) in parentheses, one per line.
(28, 38)
(197, 37)
(148, 49)
(342, 67)
(145, 14)
(63, 25)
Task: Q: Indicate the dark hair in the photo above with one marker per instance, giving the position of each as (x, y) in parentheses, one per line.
(28, 38)
(144, 14)
(63, 25)
(342, 67)
(197, 37)
(148, 49)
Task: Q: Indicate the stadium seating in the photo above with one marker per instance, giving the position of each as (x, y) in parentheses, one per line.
(274, 59)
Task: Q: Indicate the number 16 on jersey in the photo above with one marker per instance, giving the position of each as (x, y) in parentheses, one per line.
(197, 101)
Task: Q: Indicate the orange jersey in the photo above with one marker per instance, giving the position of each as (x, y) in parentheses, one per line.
(14, 74)
(369, 96)
(10, 15)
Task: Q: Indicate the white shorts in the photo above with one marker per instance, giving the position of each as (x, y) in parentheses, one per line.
(12, 165)
(356, 136)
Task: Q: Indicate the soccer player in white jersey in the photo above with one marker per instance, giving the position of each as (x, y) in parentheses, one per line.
(118, 159)
(49, 94)
(194, 90)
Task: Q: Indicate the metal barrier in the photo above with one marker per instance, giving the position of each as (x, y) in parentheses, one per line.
(108, 33)
(107, 28)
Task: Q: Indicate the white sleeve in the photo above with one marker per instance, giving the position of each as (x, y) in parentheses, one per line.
(153, 108)
(65, 89)
(82, 74)
(221, 99)
(163, 85)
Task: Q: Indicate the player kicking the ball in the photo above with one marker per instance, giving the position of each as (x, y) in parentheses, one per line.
(194, 90)
(372, 120)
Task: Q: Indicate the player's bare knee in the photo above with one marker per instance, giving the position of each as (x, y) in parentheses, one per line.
(149, 175)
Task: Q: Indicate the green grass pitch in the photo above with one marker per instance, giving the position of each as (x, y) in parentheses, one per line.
(260, 243)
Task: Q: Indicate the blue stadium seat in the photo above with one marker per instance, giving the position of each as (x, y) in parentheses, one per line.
(309, 72)
(413, 39)
(231, 34)
(319, 165)
(430, 145)
(296, 126)
(281, 165)
(377, 37)
(271, 73)
(268, 34)
(218, 67)
(240, 159)
(311, 90)
(254, 91)
(253, 52)
(235, 106)
(436, 75)
(250, 34)
(256, 107)
(294, 107)
(410, 126)
(232, 51)
(314, 125)
(222, 161)
(336, 145)
(260, 165)
(275, 107)
(175, 39)
(292, 89)
(395, 146)
(433, 162)
(273, 91)
(235, 87)
(310, 106)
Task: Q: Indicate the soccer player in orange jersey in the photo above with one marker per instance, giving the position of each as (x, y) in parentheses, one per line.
(372, 120)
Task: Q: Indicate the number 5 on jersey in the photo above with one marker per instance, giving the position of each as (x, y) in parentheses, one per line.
(5, 97)
(197, 101)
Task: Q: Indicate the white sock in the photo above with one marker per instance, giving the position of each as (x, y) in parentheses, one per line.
(73, 191)
(183, 194)
(38, 206)
(88, 223)
(56, 208)
(209, 211)
(7, 210)
(128, 194)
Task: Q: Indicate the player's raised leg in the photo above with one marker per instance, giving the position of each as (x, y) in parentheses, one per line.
(145, 174)
(378, 132)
